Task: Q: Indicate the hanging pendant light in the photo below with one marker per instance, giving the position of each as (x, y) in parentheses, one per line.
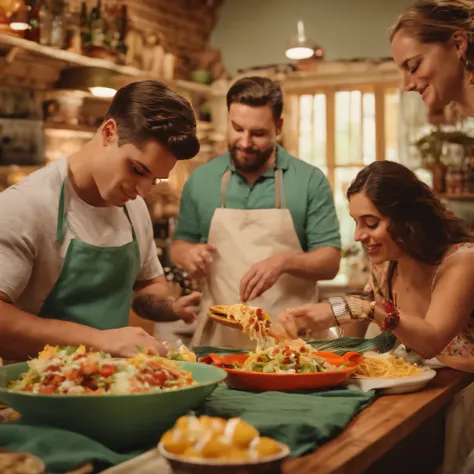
(96, 80)
(19, 20)
(299, 46)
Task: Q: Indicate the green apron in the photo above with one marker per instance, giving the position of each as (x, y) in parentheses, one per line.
(95, 286)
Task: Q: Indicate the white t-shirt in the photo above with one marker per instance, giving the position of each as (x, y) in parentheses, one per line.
(30, 258)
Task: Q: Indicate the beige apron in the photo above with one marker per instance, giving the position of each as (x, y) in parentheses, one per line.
(243, 238)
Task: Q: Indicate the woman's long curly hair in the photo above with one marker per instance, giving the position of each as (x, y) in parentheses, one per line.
(420, 224)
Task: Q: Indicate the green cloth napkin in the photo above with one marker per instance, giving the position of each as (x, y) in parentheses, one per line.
(59, 449)
(302, 420)
(382, 343)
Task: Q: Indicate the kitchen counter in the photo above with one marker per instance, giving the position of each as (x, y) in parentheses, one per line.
(397, 433)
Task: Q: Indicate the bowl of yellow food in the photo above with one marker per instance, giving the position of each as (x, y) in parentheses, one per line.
(20, 463)
(210, 445)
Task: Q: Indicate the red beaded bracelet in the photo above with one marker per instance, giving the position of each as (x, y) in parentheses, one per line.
(393, 316)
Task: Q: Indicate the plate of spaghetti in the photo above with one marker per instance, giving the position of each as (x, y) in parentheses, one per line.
(390, 374)
(288, 366)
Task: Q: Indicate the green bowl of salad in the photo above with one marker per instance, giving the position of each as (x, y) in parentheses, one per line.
(122, 403)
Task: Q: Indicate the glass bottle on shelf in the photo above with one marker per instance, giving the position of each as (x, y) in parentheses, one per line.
(33, 33)
(45, 22)
(97, 25)
(449, 179)
(72, 39)
(85, 28)
(122, 30)
(57, 26)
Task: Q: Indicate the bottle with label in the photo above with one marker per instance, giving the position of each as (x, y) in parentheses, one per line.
(57, 26)
(122, 30)
(45, 22)
(85, 27)
(97, 25)
(450, 180)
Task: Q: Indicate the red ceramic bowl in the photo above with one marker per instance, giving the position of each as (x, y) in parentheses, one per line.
(261, 382)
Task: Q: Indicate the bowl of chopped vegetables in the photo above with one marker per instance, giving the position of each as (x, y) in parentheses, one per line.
(121, 403)
(285, 367)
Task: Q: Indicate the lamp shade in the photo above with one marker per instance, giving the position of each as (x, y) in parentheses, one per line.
(299, 46)
(19, 20)
(96, 80)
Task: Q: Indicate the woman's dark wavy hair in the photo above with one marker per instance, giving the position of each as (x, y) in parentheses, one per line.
(420, 224)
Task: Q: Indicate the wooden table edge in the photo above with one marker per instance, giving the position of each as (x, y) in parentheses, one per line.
(379, 427)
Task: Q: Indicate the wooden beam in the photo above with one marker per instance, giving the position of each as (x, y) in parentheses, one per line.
(331, 136)
(380, 147)
(31, 48)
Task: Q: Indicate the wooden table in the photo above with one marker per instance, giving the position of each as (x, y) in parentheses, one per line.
(396, 433)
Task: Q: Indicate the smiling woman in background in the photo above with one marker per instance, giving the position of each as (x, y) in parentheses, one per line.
(422, 260)
(433, 45)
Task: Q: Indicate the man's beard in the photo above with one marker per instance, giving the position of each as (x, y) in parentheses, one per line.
(255, 163)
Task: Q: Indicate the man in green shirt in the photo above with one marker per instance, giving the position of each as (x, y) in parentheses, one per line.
(257, 224)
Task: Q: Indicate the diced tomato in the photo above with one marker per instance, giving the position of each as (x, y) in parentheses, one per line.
(78, 356)
(57, 379)
(159, 379)
(47, 379)
(89, 368)
(73, 374)
(108, 370)
(47, 389)
(275, 351)
(52, 368)
(259, 313)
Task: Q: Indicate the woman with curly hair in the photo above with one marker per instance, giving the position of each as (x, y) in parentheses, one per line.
(422, 269)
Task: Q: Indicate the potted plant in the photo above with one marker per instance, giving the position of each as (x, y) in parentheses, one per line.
(430, 147)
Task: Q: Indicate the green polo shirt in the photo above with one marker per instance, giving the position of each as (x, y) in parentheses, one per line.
(307, 191)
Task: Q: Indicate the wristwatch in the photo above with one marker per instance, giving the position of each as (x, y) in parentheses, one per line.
(340, 310)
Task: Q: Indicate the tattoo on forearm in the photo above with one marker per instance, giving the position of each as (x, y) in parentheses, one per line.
(153, 308)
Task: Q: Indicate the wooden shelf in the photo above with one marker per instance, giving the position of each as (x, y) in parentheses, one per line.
(458, 197)
(20, 45)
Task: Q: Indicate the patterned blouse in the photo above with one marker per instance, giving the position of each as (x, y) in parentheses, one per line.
(463, 344)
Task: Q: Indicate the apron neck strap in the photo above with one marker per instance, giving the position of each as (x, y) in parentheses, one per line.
(279, 193)
(62, 216)
(130, 221)
(224, 184)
